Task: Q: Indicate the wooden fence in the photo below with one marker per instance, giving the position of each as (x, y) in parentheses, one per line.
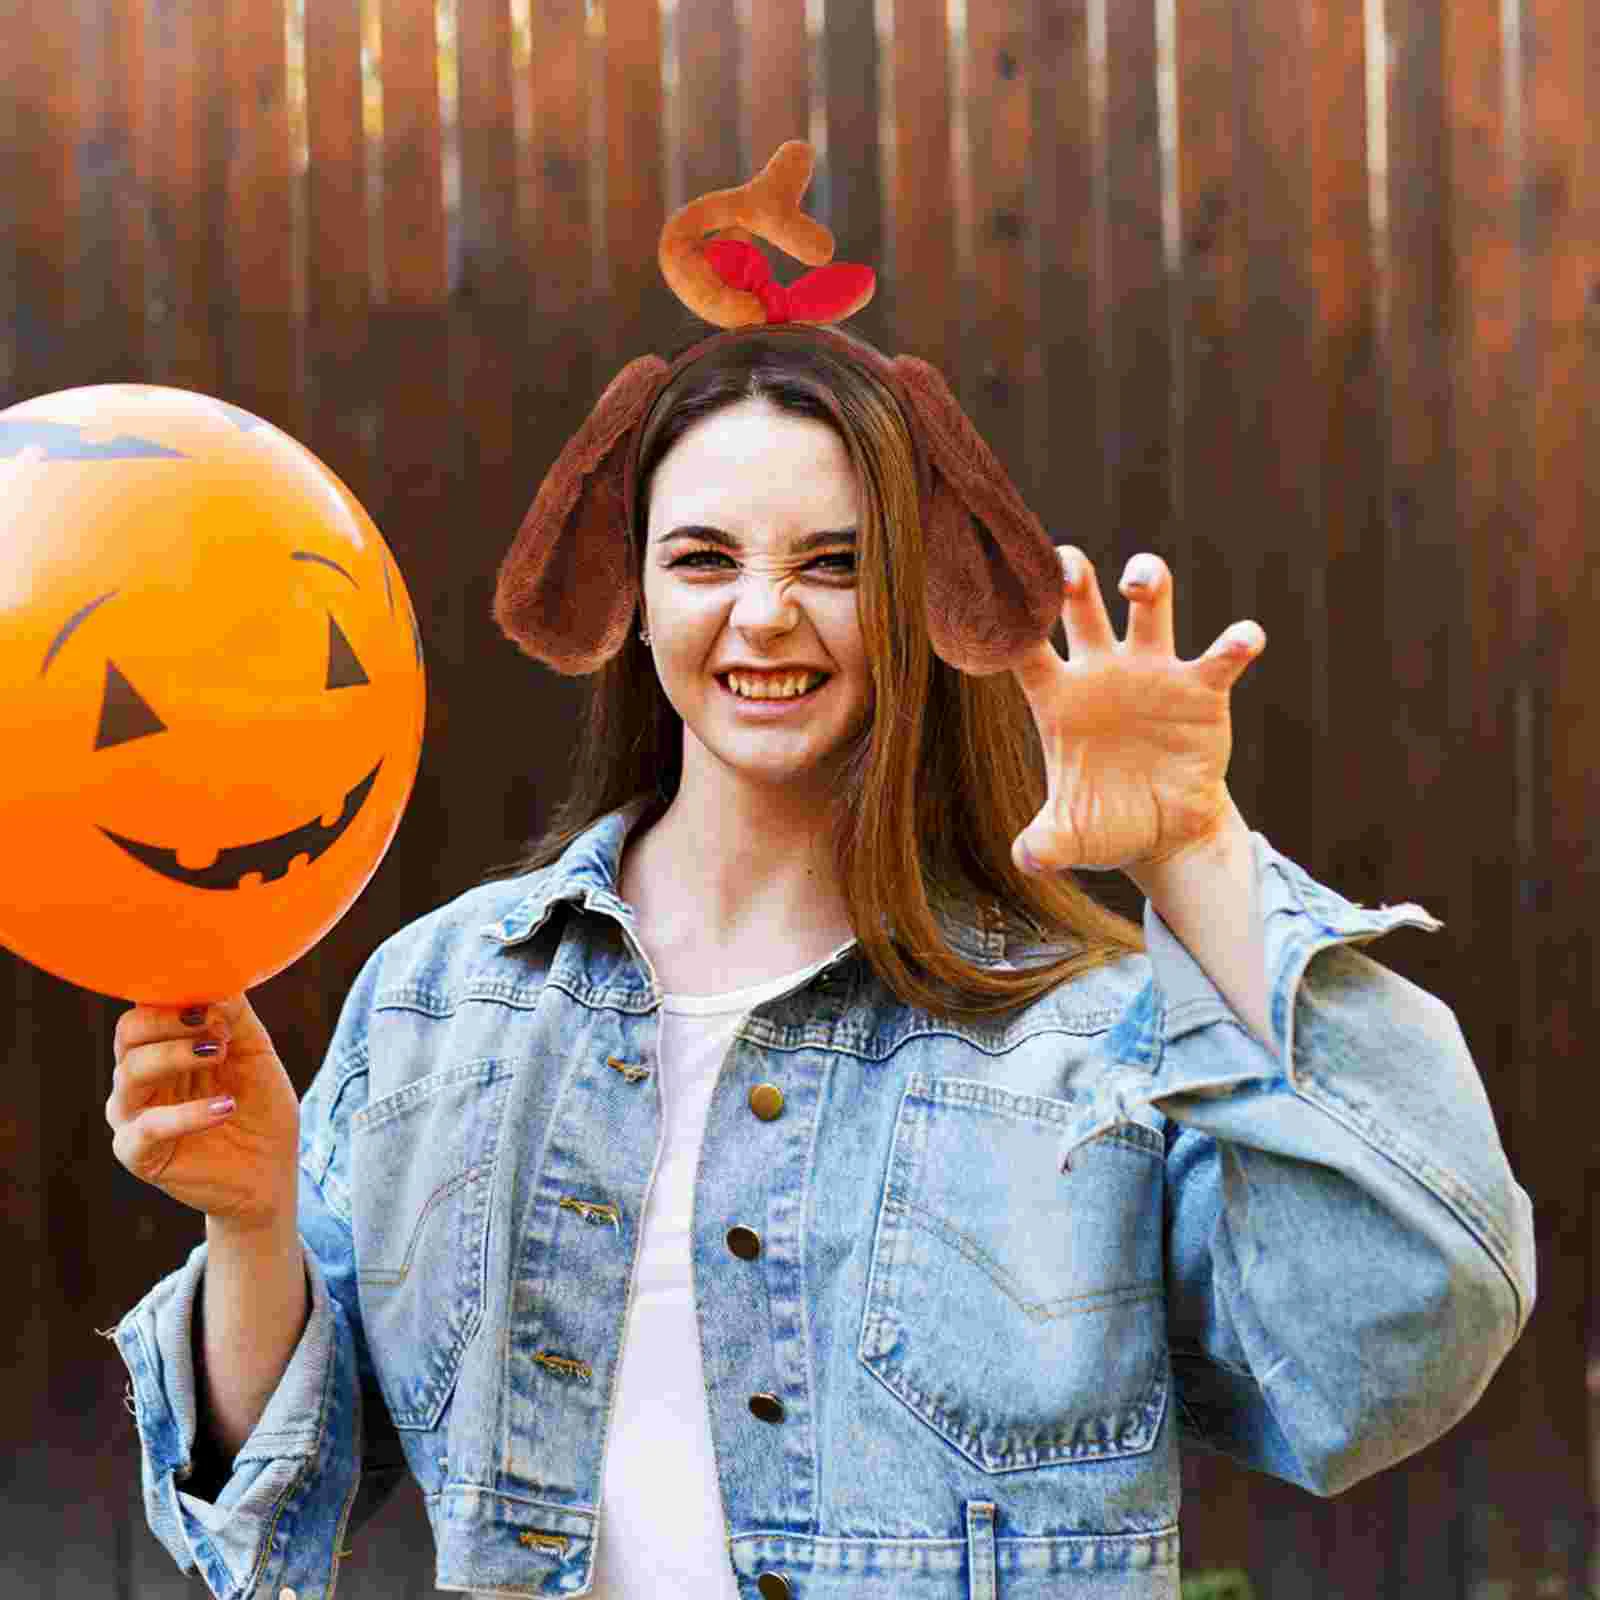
(1304, 298)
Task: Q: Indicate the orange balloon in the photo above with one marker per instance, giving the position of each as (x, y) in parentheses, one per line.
(211, 693)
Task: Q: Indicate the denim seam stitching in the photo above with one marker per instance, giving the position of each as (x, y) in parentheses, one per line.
(1456, 1196)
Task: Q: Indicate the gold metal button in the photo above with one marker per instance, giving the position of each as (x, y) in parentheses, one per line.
(766, 1100)
(745, 1243)
(773, 1587)
(767, 1406)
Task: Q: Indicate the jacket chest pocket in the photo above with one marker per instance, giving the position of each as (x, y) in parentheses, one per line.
(1016, 1309)
(422, 1166)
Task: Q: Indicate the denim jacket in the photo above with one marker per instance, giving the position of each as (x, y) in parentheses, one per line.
(1006, 1267)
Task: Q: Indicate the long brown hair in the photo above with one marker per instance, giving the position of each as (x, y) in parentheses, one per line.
(930, 798)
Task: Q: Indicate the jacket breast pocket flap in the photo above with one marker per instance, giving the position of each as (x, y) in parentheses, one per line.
(422, 1164)
(1017, 1309)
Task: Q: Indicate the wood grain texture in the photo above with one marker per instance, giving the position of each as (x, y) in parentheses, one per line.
(774, 75)
(261, 332)
(640, 312)
(1002, 381)
(107, 289)
(1558, 788)
(847, 189)
(919, 275)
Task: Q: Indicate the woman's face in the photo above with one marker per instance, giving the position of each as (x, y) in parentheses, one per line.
(762, 589)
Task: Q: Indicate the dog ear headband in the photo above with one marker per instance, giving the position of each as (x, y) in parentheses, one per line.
(566, 590)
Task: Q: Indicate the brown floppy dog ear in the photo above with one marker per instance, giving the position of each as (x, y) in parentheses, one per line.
(995, 587)
(566, 593)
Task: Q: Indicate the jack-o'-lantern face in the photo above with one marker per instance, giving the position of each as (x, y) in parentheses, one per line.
(212, 668)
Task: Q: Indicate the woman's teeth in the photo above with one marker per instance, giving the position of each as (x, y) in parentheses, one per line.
(774, 688)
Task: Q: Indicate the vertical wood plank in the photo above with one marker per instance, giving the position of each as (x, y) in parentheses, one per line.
(10, 219)
(559, 228)
(419, 439)
(162, 124)
(107, 285)
(777, 82)
(919, 274)
(847, 187)
(490, 272)
(643, 312)
(262, 336)
(1135, 349)
(559, 380)
(192, 126)
(1274, 534)
(491, 353)
(41, 91)
(703, 112)
(701, 109)
(1351, 831)
(774, 72)
(1070, 204)
(1559, 733)
(413, 180)
(339, 392)
(1482, 314)
(1003, 386)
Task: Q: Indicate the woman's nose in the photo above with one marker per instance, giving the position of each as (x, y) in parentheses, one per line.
(764, 602)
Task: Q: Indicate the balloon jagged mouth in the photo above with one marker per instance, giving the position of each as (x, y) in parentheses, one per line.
(270, 857)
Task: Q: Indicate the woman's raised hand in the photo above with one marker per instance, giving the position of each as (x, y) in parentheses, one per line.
(1136, 742)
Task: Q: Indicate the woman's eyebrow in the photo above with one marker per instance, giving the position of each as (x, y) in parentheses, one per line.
(809, 541)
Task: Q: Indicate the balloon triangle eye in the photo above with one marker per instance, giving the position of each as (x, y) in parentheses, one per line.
(344, 671)
(124, 713)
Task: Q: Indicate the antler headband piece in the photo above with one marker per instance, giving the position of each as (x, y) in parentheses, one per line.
(566, 590)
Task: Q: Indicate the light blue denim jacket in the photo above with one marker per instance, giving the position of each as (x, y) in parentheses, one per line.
(1005, 1268)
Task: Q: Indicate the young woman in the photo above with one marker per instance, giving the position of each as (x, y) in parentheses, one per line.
(774, 1184)
(767, 1187)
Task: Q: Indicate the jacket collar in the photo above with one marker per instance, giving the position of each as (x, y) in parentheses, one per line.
(586, 874)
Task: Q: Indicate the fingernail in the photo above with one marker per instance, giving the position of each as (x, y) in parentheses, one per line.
(1143, 572)
(1025, 855)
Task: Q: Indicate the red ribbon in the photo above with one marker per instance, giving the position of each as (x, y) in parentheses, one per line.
(820, 295)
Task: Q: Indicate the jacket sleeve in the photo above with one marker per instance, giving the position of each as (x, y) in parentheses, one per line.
(323, 1456)
(1349, 1257)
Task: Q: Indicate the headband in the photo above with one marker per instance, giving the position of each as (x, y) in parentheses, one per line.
(566, 590)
